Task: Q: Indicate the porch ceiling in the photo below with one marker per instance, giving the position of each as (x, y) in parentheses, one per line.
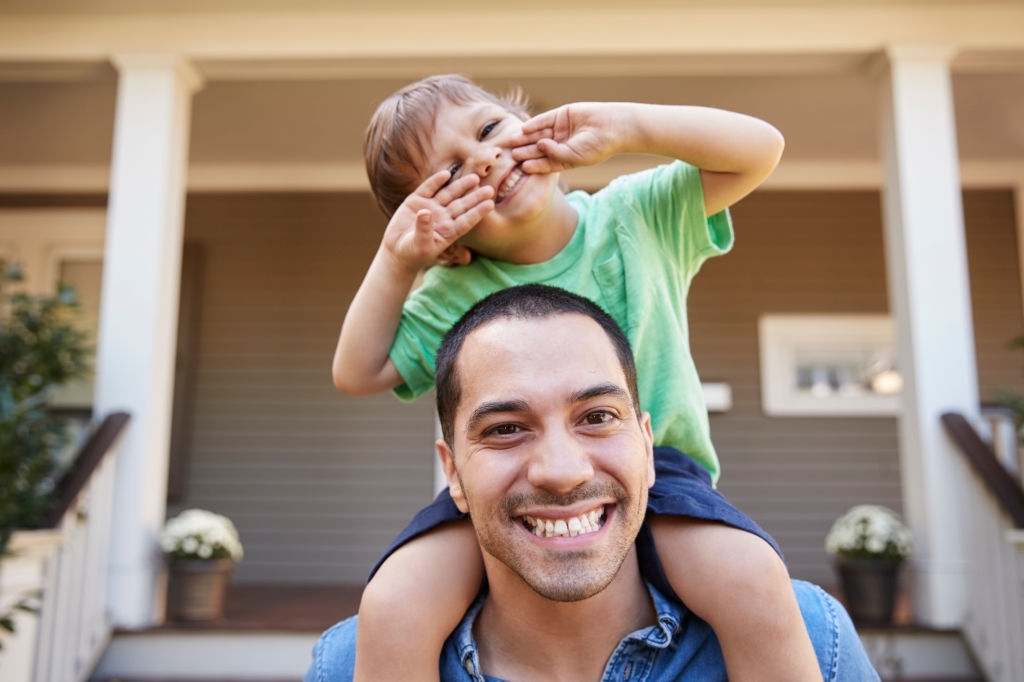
(115, 6)
(291, 83)
(823, 115)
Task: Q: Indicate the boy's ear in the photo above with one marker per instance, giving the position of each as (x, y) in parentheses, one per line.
(454, 256)
(454, 485)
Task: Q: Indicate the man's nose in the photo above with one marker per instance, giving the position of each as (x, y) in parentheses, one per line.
(484, 159)
(559, 464)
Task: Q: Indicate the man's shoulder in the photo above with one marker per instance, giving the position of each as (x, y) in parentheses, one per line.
(334, 654)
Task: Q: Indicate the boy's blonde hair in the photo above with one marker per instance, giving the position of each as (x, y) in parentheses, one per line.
(393, 145)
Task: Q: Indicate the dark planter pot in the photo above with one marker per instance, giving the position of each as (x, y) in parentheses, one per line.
(195, 589)
(869, 586)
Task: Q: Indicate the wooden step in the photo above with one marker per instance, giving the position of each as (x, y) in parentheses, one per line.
(268, 632)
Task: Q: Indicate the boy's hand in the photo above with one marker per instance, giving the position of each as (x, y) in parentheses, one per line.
(579, 134)
(430, 220)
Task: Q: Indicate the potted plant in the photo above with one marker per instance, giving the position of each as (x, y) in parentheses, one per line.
(41, 350)
(869, 543)
(201, 549)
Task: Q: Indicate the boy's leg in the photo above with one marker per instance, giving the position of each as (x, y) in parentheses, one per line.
(417, 595)
(729, 572)
(414, 601)
(737, 583)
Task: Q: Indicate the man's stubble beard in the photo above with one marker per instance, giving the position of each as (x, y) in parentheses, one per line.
(559, 575)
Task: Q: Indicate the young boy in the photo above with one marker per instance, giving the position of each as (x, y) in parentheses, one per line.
(468, 178)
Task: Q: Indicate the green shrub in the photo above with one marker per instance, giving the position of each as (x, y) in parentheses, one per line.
(40, 351)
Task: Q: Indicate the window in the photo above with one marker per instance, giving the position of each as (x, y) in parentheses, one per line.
(828, 365)
(85, 274)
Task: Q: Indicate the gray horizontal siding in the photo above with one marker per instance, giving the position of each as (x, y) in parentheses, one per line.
(319, 483)
(996, 296)
(795, 252)
(822, 252)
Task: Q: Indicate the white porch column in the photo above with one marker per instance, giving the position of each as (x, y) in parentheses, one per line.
(138, 313)
(929, 294)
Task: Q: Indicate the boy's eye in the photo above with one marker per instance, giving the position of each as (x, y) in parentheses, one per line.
(488, 129)
(454, 170)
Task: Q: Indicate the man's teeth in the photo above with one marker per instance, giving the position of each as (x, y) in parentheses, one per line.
(509, 183)
(588, 522)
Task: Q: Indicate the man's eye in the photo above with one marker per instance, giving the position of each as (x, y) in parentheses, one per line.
(502, 430)
(488, 129)
(599, 417)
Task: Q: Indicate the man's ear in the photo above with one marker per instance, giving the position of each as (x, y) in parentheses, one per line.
(645, 427)
(454, 485)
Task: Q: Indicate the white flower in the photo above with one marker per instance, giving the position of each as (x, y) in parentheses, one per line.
(200, 534)
(869, 531)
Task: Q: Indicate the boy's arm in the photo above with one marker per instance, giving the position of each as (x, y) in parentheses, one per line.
(361, 364)
(735, 152)
(423, 227)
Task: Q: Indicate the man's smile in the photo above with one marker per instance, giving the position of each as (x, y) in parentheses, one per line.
(581, 524)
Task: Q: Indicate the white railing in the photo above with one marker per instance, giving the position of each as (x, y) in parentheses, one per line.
(998, 429)
(64, 642)
(994, 625)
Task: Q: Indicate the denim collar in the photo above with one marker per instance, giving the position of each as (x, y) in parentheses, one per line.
(658, 636)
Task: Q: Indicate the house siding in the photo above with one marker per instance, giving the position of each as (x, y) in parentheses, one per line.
(319, 483)
(795, 252)
(822, 252)
(992, 255)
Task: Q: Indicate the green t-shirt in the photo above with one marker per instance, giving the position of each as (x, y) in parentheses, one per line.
(637, 246)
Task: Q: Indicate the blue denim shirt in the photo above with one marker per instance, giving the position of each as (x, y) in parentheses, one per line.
(679, 646)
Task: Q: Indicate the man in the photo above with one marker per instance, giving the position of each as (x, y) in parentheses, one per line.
(545, 447)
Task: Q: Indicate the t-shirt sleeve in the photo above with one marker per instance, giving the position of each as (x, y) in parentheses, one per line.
(428, 314)
(414, 351)
(671, 199)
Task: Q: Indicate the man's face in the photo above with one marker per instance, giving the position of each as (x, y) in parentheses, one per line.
(551, 459)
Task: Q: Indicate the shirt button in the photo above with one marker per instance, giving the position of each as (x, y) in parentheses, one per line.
(468, 665)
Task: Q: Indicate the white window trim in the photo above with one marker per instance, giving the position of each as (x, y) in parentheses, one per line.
(784, 339)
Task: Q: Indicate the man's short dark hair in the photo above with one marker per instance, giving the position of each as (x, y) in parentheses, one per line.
(525, 302)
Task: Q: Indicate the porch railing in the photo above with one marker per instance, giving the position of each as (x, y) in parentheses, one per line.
(73, 625)
(994, 514)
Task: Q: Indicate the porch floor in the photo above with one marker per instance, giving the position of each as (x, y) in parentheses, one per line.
(281, 607)
(285, 608)
(317, 607)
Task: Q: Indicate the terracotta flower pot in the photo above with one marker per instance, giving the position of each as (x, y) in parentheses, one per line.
(195, 589)
(869, 586)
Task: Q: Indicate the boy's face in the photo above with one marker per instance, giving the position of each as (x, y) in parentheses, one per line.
(479, 137)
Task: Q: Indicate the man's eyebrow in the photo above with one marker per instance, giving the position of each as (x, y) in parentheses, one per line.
(601, 390)
(486, 409)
